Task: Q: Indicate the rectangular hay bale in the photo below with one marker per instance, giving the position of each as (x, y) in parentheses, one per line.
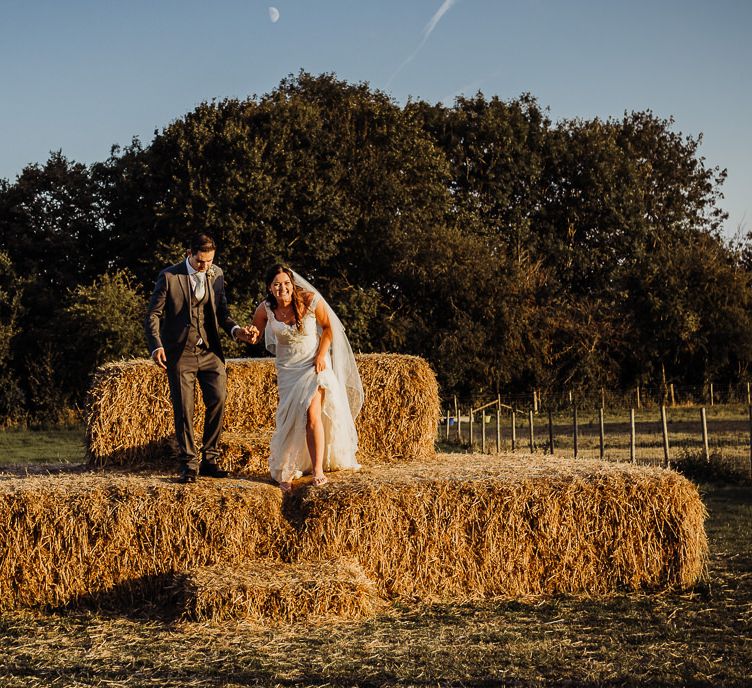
(68, 537)
(129, 414)
(476, 526)
(453, 528)
(267, 591)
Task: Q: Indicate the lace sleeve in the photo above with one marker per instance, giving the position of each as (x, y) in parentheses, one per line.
(314, 301)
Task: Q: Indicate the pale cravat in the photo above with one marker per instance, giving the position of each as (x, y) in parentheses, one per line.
(200, 285)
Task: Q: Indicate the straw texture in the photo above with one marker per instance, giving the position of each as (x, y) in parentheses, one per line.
(452, 528)
(246, 453)
(274, 592)
(129, 414)
(476, 526)
(65, 537)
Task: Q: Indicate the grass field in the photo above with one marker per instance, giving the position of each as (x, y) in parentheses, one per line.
(700, 638)
(62, 445)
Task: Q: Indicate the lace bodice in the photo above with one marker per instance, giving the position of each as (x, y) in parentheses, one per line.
(290, 336)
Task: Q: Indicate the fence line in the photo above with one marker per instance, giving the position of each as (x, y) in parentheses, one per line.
(687, 433)
(640, 397)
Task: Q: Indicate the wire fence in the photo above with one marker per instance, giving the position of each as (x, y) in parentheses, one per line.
(655, 434)
(640, 397)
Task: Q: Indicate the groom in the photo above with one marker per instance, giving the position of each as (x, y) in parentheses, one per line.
(186, 310)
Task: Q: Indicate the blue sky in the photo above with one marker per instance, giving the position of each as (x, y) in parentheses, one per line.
(82, 75)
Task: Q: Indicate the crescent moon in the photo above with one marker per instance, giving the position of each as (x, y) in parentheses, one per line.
(274, 14)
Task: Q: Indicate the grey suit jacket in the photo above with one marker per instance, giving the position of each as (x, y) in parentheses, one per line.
(168, 317)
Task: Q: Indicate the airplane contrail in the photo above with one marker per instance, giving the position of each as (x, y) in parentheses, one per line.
(445, 7)
(427, 31)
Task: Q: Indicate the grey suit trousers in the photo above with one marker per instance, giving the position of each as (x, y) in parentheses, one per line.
(202, 365)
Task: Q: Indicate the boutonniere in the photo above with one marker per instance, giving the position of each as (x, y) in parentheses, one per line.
(211, 273)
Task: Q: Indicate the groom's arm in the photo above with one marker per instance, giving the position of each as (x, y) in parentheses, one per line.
(154, 314)
(223, 312)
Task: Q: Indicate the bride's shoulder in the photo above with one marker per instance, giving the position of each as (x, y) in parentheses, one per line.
(308, 299)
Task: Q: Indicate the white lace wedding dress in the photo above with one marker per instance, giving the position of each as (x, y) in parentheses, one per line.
(298, 380)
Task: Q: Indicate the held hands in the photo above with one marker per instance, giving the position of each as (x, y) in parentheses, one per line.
(248, 334)
(241, 335)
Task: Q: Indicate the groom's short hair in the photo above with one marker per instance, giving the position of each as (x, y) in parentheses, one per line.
(202, 242)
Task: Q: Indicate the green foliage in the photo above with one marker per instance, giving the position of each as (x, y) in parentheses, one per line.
(11, 395)
(50, 225)
(509, 250)
(103, 322)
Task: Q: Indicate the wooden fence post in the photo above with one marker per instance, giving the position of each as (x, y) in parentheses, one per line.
(637, 390)
(498, 426)
(750, 441)
(603, 398)
(712, 395)
(459, 425)
(749, 397)
(449, 411)
(704, 420)
(632, 453)
(514, 430)
(574, 430)
(532, 432)
(483, 431)
(550, 431)
(602, 433)
(673, 398)
(664, 424)
(470, 430)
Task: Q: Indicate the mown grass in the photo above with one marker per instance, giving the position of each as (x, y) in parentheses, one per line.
(56, 445)
(701, 638)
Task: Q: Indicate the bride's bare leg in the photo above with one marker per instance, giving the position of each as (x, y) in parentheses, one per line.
(315, 437)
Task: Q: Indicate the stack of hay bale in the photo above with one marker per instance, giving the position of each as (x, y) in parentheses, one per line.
(129, 420)
(410, 524)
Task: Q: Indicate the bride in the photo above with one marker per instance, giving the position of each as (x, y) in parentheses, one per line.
(320, 392)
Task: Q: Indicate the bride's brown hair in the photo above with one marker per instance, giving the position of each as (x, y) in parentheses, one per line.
(298, 307)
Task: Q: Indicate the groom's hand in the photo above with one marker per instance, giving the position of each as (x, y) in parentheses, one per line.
(242, 335)
(159, 358)
(248, 334)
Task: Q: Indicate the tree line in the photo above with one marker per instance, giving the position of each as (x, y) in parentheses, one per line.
(509, 250)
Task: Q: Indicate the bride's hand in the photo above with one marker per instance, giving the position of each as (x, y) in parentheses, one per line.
(253, 333)
(320, 363)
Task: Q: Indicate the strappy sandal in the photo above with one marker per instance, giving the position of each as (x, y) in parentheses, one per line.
(285, 487)
(319, 481)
